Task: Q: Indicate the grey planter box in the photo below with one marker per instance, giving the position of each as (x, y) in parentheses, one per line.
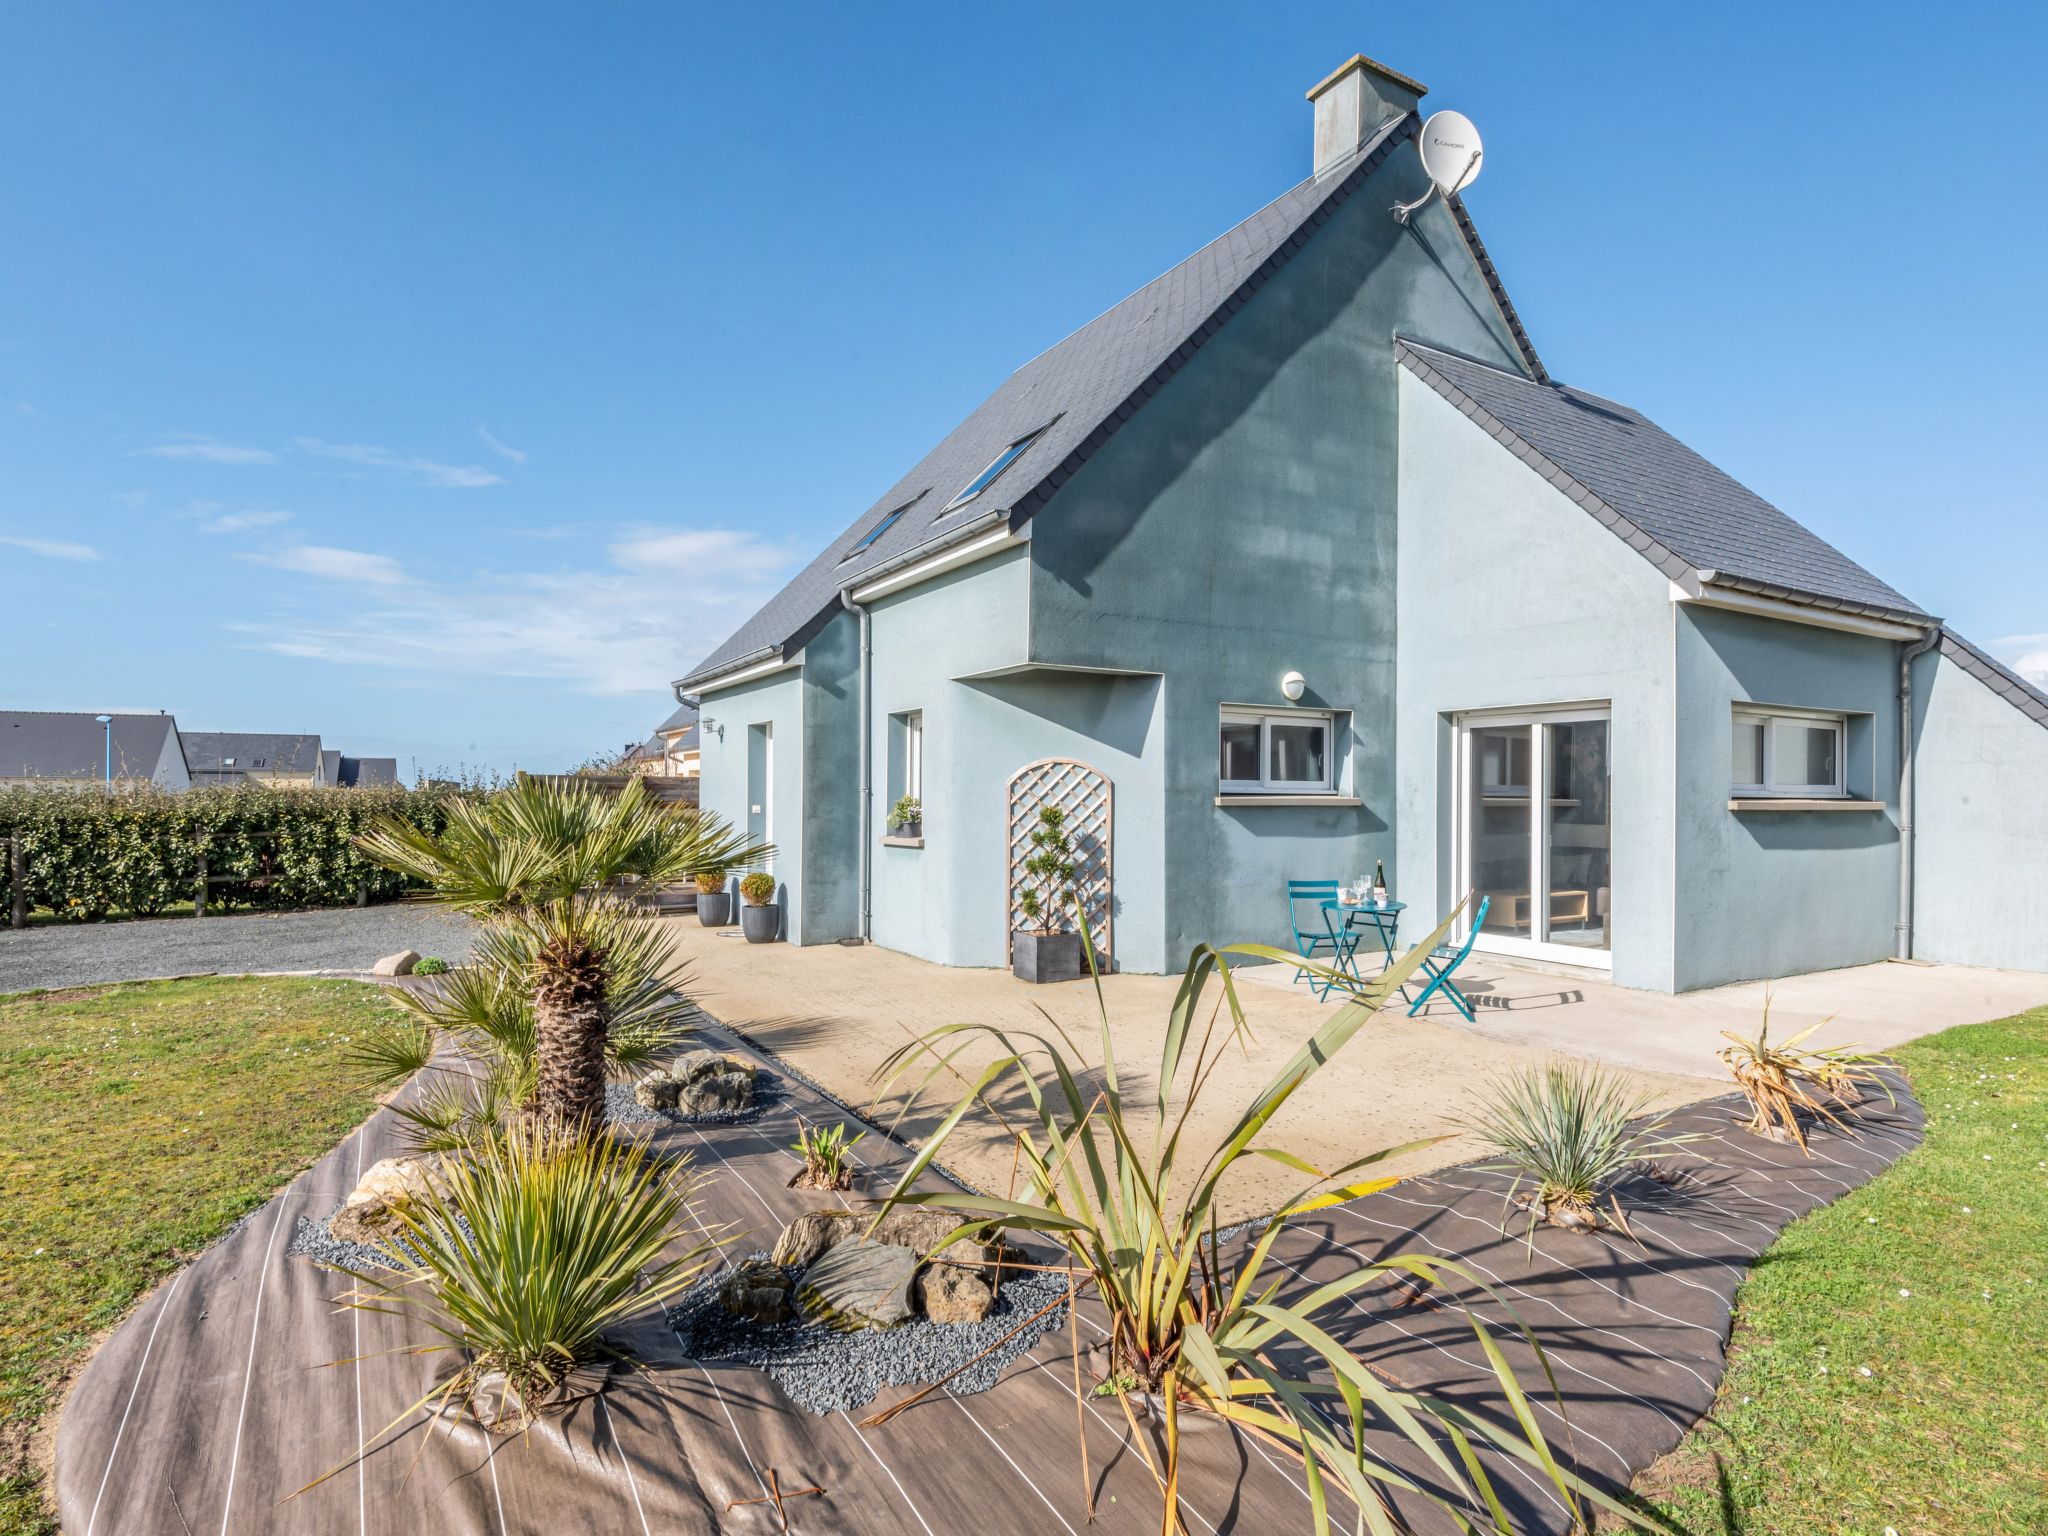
(761, 925)
(1038, 957)
(714, 910)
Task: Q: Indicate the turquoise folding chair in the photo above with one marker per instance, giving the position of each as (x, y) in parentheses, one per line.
(1440, 962)
(1319, 939)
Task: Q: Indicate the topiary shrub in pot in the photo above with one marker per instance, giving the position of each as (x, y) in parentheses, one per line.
(760, 918)
(1048, 949)
(714, 902)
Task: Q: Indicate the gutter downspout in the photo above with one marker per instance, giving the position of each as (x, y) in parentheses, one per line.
(867, 759)
(1909, 652)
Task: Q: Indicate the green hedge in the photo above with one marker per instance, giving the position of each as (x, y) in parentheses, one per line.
(91, 853)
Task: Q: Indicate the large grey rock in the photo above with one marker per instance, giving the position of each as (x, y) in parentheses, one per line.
(758, 1291)
(700, 1083)
(716, 1093)
(949, 1295)
(911, 1227)
(371, 1211)
(657, 1090)
(811, 1234)
(859, 1284)
(695, 1064)
(400, 964)
(367, 1222)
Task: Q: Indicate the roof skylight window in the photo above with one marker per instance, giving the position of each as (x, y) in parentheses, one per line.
(877, 531)
(987, 477)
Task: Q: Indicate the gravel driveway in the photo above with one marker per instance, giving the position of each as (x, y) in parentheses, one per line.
(344, 939)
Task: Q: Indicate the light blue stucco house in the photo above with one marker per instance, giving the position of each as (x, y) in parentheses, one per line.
(1296, 562)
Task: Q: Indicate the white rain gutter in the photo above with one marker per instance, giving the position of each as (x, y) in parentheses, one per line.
(1909, 652)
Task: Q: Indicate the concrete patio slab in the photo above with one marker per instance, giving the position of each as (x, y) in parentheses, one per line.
(1878, 1006)
(835, 1013)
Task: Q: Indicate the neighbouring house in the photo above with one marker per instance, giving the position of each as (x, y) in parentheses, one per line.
(42, 748)
(254, 757)
(352, 772)
(678, 737)
(1297, 562)
(367, 773)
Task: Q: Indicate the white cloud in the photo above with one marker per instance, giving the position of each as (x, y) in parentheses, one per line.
(336, 564)
(627, 628)
(53, 549)
(242, 522)
(692, 552)
(502, 449)
(2026, 655)
(424, 471)
(209, 450)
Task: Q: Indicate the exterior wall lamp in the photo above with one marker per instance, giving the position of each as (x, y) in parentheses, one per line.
(1293, 684)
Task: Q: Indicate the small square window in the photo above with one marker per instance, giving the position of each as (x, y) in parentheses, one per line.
(1275, 753)
(1787, 754)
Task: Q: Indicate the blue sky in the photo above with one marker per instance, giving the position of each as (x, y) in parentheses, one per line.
(445, 380)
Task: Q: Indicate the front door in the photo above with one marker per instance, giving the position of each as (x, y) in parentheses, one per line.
(1533, 830)
(760, 783)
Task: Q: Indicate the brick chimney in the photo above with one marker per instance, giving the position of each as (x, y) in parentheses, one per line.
(1354, 102)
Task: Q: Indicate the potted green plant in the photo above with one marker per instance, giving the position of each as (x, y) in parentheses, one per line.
(906, 817)
(714, 901)
(760, 918)
(1049, 949)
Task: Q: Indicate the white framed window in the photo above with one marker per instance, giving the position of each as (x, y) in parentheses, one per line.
(1274, 751)
(913, 755)
(1787, 754)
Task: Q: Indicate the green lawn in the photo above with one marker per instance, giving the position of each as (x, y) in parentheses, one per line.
(1889, 1368)
(136, 1124)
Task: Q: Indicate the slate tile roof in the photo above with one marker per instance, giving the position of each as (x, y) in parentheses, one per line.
(257, 751)
(1684, 514)
(1080, 391)
(56, 744)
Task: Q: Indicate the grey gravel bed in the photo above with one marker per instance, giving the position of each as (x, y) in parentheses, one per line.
(316, 1241)
(621, 1108)
(825, 1371)
(348, 939)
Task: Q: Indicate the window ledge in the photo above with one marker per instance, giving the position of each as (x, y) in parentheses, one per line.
(1788, 803)
(902, 842)
(1336, 801)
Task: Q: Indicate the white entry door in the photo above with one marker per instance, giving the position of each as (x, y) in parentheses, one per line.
(1533, 827)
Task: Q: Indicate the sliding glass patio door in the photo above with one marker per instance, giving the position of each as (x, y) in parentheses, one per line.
(1533, 830)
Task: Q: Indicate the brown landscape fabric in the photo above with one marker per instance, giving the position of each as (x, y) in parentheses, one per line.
(222, 1394)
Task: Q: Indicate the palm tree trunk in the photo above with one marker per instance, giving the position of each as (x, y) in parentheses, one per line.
(570, 1024)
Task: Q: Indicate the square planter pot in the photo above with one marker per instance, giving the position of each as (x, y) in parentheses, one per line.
(714, 908)
(761, 925)
(1037, 957)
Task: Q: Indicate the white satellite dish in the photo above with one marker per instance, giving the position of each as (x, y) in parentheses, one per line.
(1451, 154)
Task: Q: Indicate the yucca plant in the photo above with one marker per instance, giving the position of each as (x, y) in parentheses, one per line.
(541, 862)
(1788, 1079)
(1201, 1326)
(1572, 1133)
(825, 1150)
(541, 1244)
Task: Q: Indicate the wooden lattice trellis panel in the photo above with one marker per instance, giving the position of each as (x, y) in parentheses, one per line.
(1086, 795)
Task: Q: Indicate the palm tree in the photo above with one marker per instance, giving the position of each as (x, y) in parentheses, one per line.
(544, 860)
